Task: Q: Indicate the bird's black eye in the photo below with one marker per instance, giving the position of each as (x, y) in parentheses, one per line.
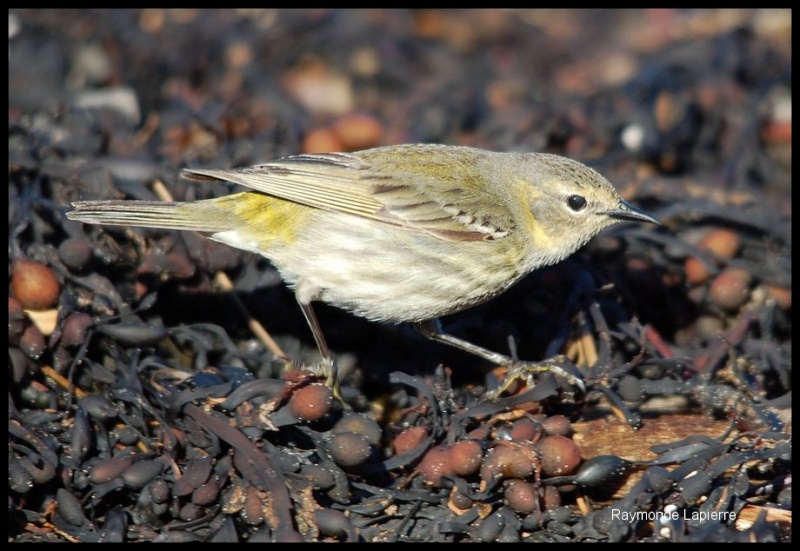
(576, 202)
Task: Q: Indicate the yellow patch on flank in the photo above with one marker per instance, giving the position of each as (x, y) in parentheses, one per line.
(269, 219)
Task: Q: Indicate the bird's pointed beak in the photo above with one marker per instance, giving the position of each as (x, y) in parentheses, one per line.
(626, 211)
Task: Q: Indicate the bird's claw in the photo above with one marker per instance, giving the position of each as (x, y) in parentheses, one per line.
(524, 372)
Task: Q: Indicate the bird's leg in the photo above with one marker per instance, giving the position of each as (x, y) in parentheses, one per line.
(328, 366)
(517, 370)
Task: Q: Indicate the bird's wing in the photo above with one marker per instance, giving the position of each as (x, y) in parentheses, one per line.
(410, 188)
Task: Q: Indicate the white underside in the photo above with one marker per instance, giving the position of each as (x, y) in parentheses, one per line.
(380, 272)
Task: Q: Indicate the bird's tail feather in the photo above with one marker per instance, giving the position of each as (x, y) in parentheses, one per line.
(199, 216)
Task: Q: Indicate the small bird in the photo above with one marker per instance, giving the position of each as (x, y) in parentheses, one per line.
(402, 233)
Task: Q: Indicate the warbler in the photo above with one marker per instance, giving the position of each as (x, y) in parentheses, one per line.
(402, 233)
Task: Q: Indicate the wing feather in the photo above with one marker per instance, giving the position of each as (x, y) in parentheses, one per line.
(409, 193)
